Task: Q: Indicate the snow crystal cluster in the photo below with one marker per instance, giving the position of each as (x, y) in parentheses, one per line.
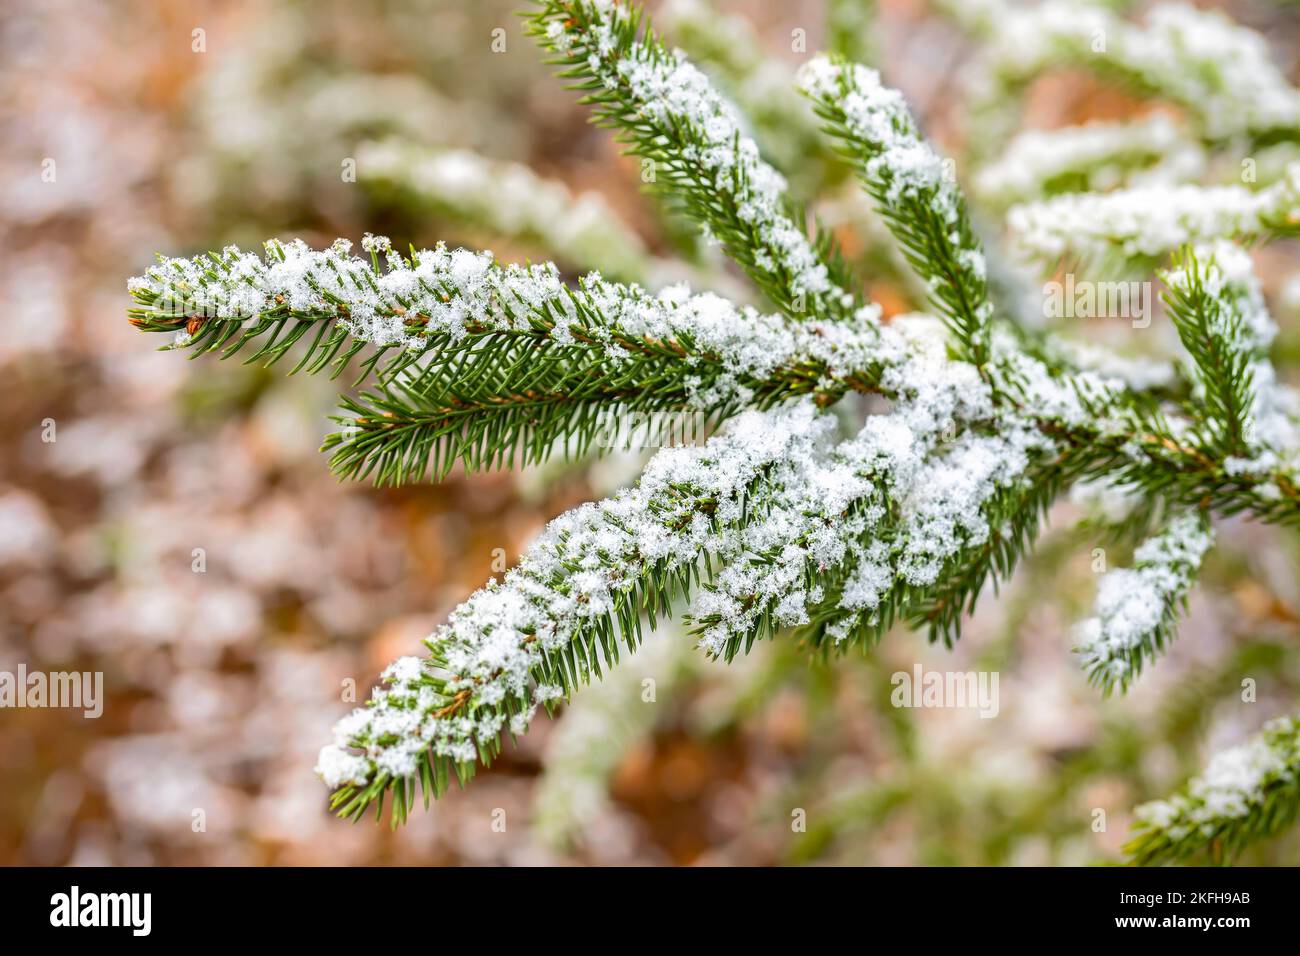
(743, 346)
(1134, 604)
(824, 507)
(889, 507)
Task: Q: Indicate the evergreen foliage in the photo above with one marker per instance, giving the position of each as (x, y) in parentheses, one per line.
(780, 521)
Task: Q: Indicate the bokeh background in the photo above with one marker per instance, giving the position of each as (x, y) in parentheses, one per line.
(222, 684)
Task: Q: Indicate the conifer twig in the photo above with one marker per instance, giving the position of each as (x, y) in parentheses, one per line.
(914, 190)
(669, 115)
(1246, 794)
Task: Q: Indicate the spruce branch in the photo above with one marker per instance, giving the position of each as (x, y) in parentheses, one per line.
(914, 190)
(571, 366)
(1213, 321)
(1246, 794)
(1218, 72)
(1144, 224)
(1144, 450)
(668, 114)
(479, 337)
(490, 358)
(577, 593)
(222, 302)
(1137, 609)
(1097, 156)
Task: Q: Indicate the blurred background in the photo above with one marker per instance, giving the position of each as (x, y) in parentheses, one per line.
(183, 535)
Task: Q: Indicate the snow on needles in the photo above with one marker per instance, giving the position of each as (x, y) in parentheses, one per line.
(903, 160)
(587, 565)
(1149, 221)
(1134, 605)
(443, 295)
(1235, 785)
(673, 100)
(1151, 149)
(1219, 72)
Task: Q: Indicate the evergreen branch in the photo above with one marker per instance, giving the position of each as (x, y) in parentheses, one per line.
(508, 355)
(668, 114)
(1137, 610)
(785, 126)
(1142, 450)
(762, 87)
(1097, 156)
(1212, 318)
(1218, 72)
(225, 301)
(1146, 223)
(914, 190)
(1246, 794)
(570, 367)
(702, 351)
(578, 592)
(1111, 432)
